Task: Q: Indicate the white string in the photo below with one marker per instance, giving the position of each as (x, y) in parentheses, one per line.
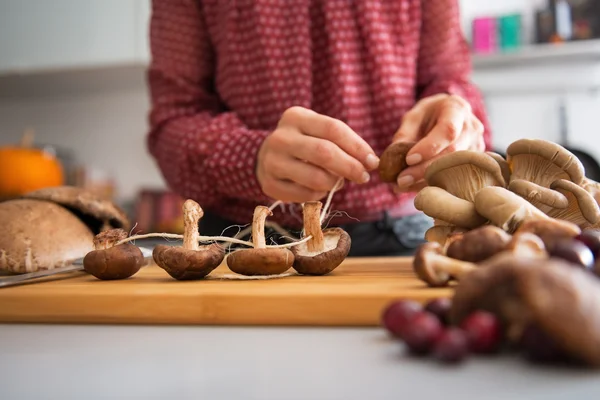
(325, 210)
(179, 236)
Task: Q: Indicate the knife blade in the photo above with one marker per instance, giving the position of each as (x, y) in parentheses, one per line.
(76, 265)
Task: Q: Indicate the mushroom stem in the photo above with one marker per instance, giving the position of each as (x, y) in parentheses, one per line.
(258, 226)
(192, 213)
(312, 226)
(446, 265)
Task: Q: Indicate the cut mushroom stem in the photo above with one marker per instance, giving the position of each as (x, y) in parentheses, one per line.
(581, 209)
(191, 261)
(260, 260)
(437, 203)
(437, 270)
(112, 261)
(325, 250)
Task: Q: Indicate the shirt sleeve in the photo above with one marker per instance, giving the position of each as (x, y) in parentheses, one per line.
(203, 150)
(444, 64)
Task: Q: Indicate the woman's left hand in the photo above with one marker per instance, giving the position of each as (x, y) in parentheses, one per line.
(440, 124)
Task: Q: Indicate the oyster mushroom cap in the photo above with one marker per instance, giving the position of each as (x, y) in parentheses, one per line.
(504, 167)
(582, 208)
(40, 235)
(479, 244)
(393, 160)
(544, 199)
(505, 209)
(543, 162)
(437, 270)
(100, 214)
(464, 172)
(592, 187)
(437, 203)
(109, 261)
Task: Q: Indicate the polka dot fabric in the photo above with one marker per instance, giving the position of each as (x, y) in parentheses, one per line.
(223, 72)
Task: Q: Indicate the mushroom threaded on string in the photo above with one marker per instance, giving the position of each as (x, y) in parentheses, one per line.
(112, 261)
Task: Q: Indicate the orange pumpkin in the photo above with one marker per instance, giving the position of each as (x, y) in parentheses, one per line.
(24, 168)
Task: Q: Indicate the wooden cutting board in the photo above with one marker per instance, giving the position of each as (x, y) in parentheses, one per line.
(353, 295)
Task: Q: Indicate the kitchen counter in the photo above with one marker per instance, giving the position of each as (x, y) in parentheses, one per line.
(143, 362)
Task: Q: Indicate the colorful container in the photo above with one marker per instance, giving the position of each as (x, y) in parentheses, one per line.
(485, 37)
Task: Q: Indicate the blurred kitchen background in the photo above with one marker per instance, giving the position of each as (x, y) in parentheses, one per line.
(72, 82)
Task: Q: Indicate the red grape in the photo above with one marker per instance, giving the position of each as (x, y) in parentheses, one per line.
(421, 332)
(452, 346)
(484, 332)
(591, 238)
(397, 314)
(440, 308)
(574, 252)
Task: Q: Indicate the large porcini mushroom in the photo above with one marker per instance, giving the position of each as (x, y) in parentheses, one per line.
(260, 260)
(582, 208)
(325, 250)
(191, 261)
(505, 209)
(436, 269)
(542, 162)
(479, 244)
(552, 295)
(437, 203)
(98, 213)
(112, 261)
(543, 199)
(40, 235)
(393, 161)
(463, 173)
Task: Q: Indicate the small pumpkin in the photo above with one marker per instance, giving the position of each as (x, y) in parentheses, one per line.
(24, 168)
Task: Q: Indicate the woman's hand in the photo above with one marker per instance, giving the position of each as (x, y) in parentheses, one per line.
(440, 124)
(306, 155)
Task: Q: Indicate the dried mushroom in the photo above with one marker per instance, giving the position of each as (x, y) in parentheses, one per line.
(393, 161)
(112, 261)
(438, 204)
(260, 260)
(325, 250)
(191, 261)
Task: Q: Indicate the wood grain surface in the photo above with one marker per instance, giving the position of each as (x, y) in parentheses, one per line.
(353, 295)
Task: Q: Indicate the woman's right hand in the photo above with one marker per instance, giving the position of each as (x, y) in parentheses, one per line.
(306, 155)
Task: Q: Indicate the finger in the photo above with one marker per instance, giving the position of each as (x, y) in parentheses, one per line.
(328, 156)
(302, 173)
(287, 191)
(415, 173)
(449, 125)
(331, 129)
(412, 188)
(410, 126)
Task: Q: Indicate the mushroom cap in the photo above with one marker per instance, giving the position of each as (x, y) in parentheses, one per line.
(505, 209)
(40, 235)
(437, 203)
(549, 230)
(443, 234)
(266, 261)
(463, 173)
(97, 212)
(117, 262)
(592, 187)
(541, 197)
(559, 162)
(504, 167)
(393, 160)
(423, 264)
(184, 265)
(479, 244)
(337, 246)
(582, 207)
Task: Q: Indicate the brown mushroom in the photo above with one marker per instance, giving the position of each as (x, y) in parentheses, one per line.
(260, 260)
(325, 250)
(463, 173)
(109, 261)
(191, 261)
(98, 213)
(592, 187)
(40, 235)
(582, 208)
(434, 268)
(550, 294)
(527, 245)
(550, 231)
(437, 203)
(505, 209)
(479, 244)
(543, 199)
(444, 234)
(504, 167)
(393, 161)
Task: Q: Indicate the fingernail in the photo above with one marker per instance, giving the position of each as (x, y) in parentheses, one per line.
(372, 161)
(405, 181)
(366, 177)
(413, 159)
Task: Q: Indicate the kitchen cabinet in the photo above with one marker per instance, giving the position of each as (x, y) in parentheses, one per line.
(64, 34)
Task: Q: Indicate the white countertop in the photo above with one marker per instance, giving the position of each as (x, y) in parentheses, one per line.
(139, 362)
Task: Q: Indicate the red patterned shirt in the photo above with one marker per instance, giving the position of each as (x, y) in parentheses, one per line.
(223, 72)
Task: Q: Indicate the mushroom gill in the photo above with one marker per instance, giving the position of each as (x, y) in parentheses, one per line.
(582, 208)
